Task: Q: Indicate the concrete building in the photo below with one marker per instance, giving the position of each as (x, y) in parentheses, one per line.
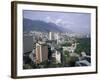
(57, 56)
(32, 55)
(70, 49)
(41, 52)
(51, 36)
(83, 54)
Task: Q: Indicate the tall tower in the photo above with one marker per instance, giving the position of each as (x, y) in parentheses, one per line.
(51, 35)
(41, 52)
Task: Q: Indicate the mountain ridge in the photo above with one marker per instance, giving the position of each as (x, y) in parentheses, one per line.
(38, 25)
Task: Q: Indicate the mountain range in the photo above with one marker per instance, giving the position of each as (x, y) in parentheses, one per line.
(38, 25)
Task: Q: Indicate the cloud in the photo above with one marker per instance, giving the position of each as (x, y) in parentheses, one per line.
(49, 19)
(58, 21)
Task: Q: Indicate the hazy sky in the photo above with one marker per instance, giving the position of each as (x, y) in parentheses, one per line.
(77, 22)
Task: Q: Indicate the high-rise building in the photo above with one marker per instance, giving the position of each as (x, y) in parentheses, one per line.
(51, 36)
(41, 52)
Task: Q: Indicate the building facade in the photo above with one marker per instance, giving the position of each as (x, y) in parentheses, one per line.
(41, 52)
(57, 56)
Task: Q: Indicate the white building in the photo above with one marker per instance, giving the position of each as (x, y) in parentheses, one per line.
(54, 36)
(83, 54)
(71, 48)
(51, 36)
(57, 56)
(32, 55)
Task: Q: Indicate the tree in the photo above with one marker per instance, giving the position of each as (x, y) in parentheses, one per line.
(66, 44)
(84, 45)
(66, 53)
(72, 61)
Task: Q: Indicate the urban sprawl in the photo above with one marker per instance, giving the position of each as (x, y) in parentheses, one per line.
(55, 49)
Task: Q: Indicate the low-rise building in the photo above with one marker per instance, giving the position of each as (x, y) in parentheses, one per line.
(57, 56)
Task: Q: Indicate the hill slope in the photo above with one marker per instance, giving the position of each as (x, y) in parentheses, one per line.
(42, 26)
